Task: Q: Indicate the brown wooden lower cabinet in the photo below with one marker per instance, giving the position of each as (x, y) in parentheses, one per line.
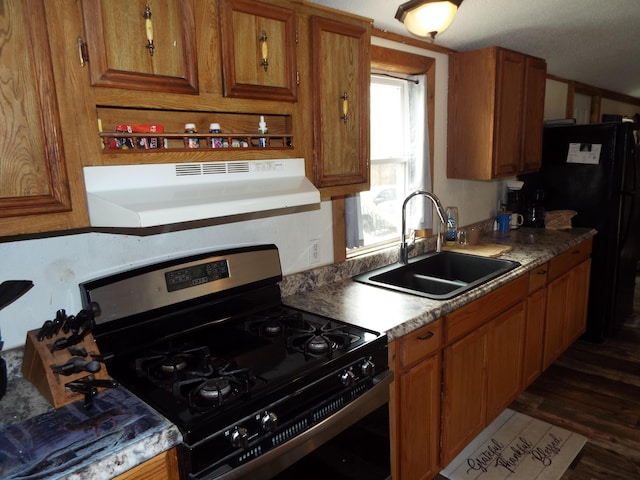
(160, 467)
(567, 298)
(415, 403)
(455, 375)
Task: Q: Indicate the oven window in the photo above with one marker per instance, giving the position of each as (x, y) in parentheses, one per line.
(359, 453)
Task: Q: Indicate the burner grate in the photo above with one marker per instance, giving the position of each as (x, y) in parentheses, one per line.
(320, 340)
(220, 388)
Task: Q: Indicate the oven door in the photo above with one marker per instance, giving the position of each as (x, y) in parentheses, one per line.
(353, 443)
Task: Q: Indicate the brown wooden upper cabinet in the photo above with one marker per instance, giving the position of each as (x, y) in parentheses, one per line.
(340, 60)
(142, 44)
(33, 176)
(258, 50)
(496, 106)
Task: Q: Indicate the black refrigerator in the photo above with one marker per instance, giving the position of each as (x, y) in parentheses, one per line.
(594, 170)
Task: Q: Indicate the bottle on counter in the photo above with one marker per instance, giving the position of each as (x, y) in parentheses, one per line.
(262, 129)
(451, 232)
(191, 142)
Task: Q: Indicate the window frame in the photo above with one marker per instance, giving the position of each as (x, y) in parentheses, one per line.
(392, 61)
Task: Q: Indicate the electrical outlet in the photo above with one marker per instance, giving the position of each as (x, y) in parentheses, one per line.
(314, 251)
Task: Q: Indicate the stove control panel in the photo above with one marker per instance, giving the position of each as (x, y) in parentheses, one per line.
(196, 275)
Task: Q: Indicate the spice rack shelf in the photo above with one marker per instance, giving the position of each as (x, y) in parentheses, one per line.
(124, 142)
(137, 130)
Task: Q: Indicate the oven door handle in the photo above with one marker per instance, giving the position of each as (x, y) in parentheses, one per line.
(282, 456)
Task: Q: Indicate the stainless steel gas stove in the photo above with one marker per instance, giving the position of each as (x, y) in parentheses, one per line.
(255, 386)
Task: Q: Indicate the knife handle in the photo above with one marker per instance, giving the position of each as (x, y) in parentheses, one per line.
(76, 365)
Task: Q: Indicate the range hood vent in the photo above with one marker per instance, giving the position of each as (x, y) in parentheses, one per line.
(161, 194)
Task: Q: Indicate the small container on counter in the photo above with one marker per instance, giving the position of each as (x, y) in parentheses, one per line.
(451, 233)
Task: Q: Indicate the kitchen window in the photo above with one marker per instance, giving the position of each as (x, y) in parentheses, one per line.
(399, 164)
(388, 167)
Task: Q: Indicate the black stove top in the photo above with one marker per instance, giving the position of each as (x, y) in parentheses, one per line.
(193, 377)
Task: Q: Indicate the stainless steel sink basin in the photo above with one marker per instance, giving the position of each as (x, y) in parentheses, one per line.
(439, 276)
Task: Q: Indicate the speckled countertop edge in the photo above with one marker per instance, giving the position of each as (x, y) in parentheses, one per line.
(330, 291)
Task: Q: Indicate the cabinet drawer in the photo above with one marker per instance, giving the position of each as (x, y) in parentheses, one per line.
(569, 259)
(420, 343)
(538, 278)
(471, 316)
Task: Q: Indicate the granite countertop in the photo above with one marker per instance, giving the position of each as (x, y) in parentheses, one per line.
(397, 314)
(71, 442)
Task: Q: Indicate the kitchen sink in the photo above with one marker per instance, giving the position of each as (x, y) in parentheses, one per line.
(439, 276)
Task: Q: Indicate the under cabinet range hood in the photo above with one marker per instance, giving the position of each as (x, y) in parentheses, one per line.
(161, 194)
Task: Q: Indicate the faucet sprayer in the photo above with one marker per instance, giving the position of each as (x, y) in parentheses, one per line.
(404, 248)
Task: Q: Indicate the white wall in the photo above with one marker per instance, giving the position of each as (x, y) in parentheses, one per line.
(555, 100)
(57, 265)
(614, 107)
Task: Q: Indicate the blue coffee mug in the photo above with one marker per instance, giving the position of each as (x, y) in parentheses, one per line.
(504, 221)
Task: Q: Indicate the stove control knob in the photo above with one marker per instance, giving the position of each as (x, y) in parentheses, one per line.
(240, 438)
(347, 378)
(269, 422)
(367, 368)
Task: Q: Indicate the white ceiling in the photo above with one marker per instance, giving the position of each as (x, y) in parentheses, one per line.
(596, 42)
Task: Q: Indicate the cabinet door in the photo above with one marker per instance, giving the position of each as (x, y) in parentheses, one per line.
(535, 79)
(556, 314)
(504, 360)
(577, 300)
(494, 128)
(419, 412)
(464, 387)
(33, 177)
(134, 47)
(566, 313)
(533, 337)
(258, 50)
(508, 118)
(340, 64)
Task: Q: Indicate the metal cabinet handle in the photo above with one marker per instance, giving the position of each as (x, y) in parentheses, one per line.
(427, 336)
(265, 50)
(148, 26)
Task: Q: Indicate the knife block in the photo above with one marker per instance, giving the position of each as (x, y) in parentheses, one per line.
(36, 367)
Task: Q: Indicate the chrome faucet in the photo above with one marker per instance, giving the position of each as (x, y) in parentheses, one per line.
(404, 247)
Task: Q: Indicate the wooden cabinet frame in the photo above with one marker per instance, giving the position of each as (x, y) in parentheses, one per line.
(102, 75)
(55, 196)
(236, 48)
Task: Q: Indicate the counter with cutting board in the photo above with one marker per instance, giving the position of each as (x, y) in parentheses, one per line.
(483, 249)
(332, 292)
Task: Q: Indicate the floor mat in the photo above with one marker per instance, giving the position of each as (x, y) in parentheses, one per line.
(516, 447)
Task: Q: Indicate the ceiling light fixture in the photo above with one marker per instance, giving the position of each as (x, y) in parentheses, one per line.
(427, 18)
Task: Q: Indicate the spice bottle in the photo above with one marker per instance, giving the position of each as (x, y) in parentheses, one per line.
(191, 142)
(215, 142)
(262, 129)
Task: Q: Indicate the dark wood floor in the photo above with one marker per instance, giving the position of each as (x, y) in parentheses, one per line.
(594, 390)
